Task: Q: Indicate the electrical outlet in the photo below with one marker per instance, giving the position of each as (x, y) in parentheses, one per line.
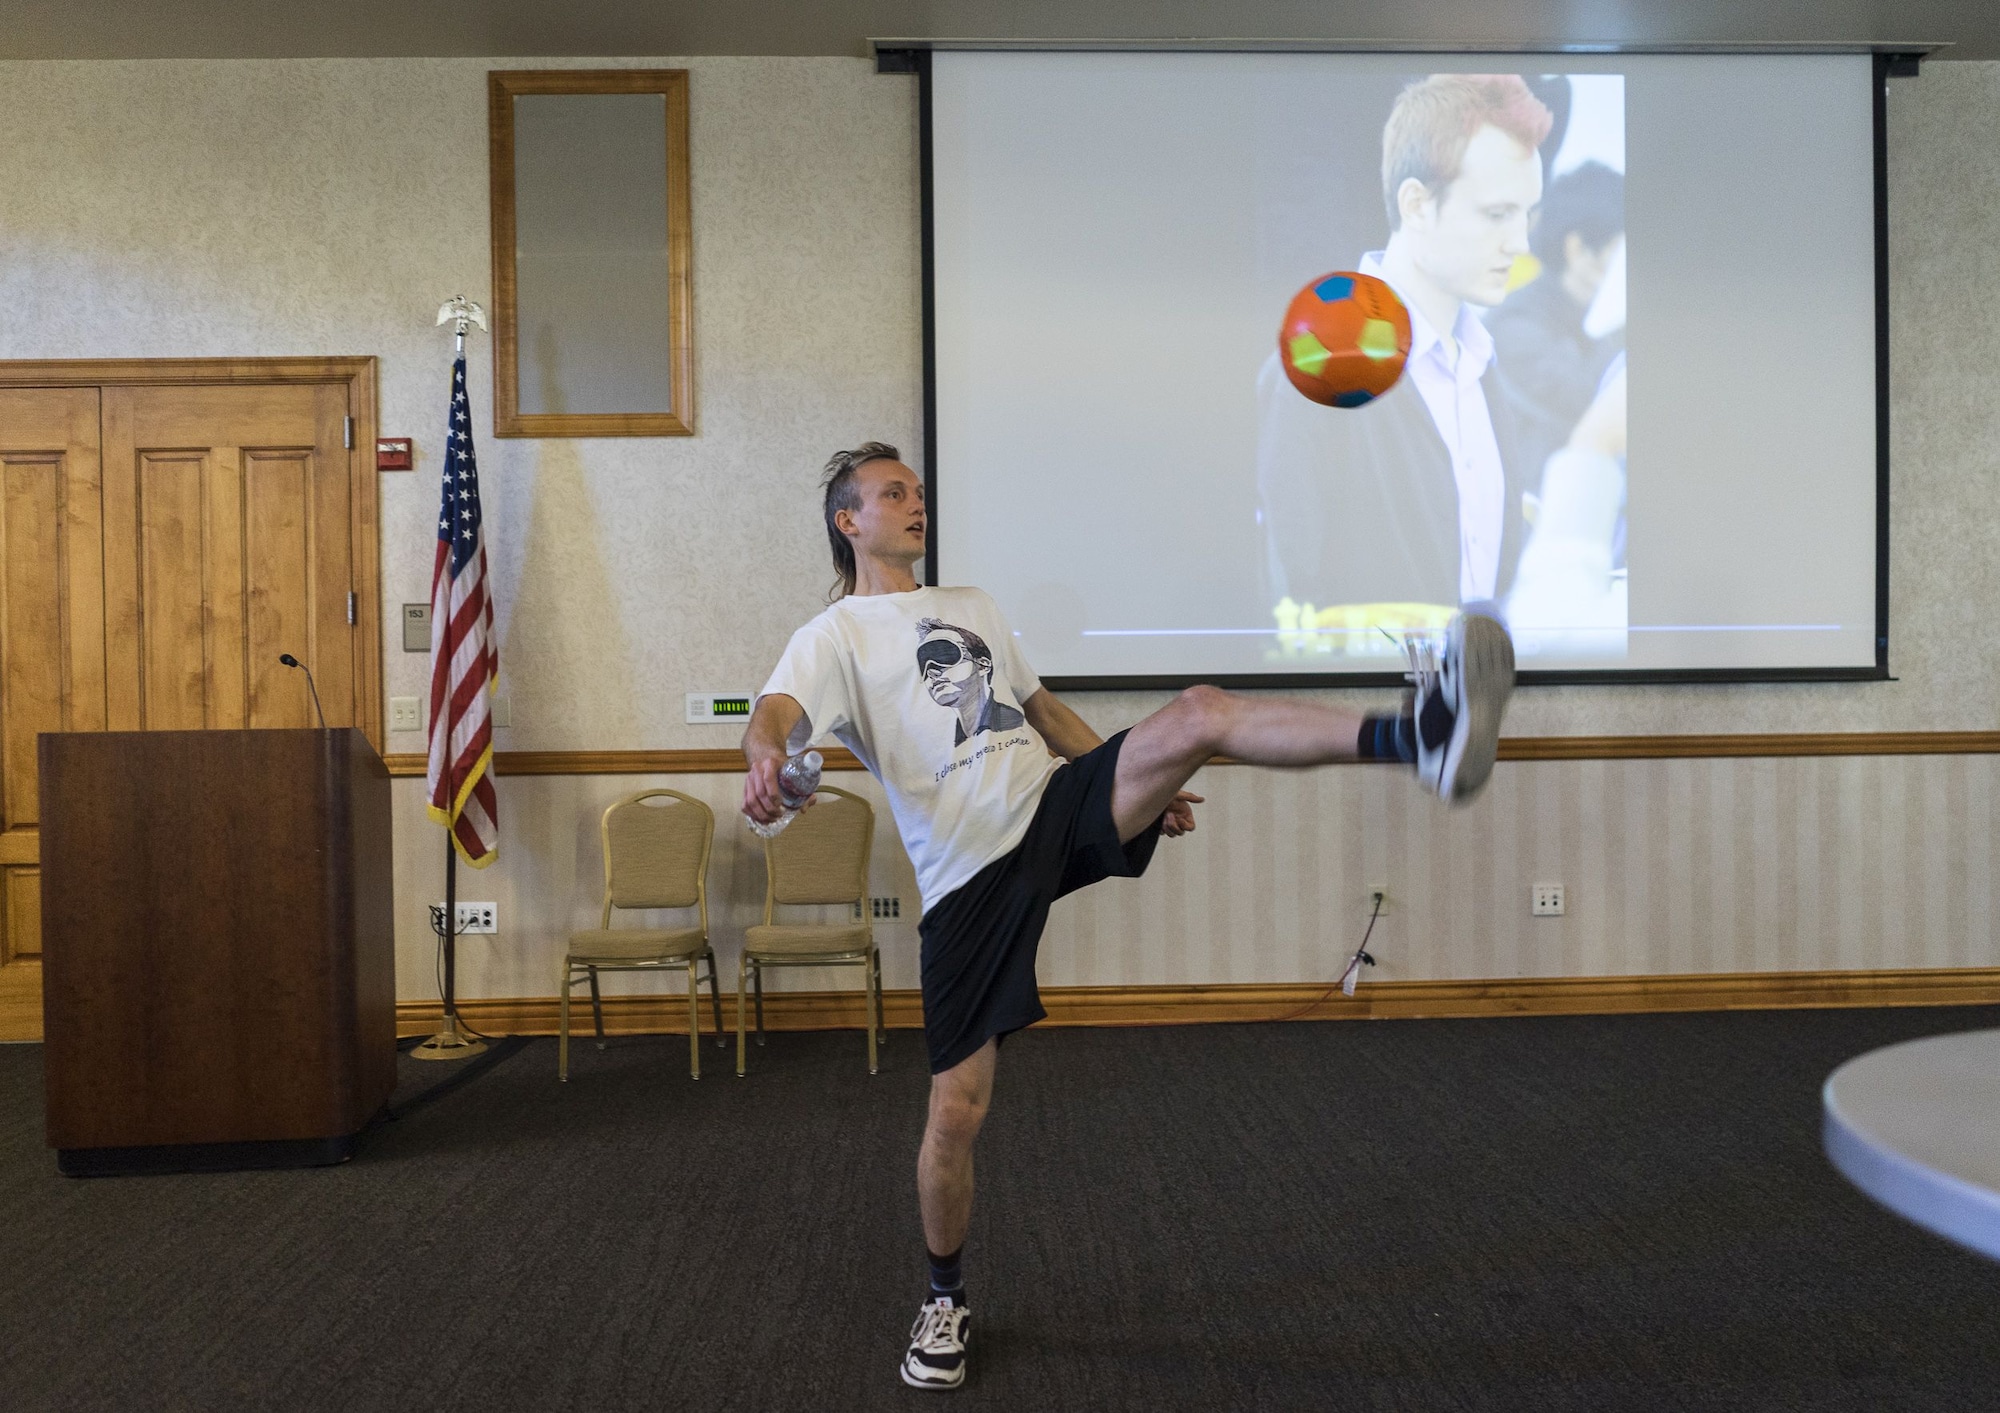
(476, 917)
(1545, 900)
(1373, 893)
(881, 909)
(405, 714)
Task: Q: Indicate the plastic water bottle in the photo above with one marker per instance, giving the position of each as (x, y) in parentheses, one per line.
(797, 779)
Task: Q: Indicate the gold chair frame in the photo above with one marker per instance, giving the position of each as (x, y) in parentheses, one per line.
(750, 965)
(589, 966)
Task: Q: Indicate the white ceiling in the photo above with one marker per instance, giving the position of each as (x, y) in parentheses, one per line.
(147, 29)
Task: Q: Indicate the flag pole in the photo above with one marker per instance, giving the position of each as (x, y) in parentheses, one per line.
(452, 1042)
(451, 928)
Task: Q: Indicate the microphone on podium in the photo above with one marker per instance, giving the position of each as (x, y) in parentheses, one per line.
(288, 660)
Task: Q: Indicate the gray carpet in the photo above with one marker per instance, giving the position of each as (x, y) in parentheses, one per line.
(1602, 1214)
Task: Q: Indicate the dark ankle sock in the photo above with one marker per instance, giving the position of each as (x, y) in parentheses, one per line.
(946, 1279)
(1436, 722)
(1388, 736)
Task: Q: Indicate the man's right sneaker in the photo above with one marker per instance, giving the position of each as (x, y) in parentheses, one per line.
(937, 1345)
(1459, 703)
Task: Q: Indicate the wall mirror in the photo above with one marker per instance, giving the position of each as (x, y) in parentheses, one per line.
(592, 285)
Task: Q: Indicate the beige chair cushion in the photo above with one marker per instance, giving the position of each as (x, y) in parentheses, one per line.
(805, 940)
(636, 944)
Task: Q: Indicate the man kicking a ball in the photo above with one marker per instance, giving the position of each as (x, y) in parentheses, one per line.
(1006, 800)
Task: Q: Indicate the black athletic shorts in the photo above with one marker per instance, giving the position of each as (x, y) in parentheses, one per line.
(979, 942)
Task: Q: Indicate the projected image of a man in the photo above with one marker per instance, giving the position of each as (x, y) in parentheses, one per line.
(1414, 500)
(1461, 172)
(958, 673)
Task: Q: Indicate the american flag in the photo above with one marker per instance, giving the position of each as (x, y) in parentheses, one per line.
(464, 660)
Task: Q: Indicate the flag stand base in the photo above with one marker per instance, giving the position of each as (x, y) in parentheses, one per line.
(450, 1043)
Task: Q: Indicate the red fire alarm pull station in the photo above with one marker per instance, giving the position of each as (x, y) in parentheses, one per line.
(394, 454)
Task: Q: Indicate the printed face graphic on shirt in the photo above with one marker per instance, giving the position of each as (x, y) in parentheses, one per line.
(950, 669)
(957, 668)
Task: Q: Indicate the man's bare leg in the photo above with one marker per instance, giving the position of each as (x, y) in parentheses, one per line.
(959, 1098)
(1450, 730)
(1162, 753)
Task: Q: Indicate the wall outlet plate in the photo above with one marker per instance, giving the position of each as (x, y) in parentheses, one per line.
(1368, 899)
(1545, 900)
(475, 917)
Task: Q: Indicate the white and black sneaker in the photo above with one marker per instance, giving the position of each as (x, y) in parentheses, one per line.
(1460, 699)
(937, 1345)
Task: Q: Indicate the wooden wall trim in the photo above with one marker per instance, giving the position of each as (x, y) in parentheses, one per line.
(1193, 1005)
(365, 547)
(1829, 743)
(728, 760)
(77, 372)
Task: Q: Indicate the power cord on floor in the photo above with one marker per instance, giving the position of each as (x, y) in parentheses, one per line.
(1348, 978)
(438, 927)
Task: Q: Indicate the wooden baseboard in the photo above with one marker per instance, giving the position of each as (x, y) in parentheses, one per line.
(1195, 1005)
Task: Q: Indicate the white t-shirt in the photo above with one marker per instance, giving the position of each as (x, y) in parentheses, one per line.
(926, 688)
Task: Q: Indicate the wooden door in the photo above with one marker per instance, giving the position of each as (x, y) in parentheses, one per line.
(161, 544)
(51, 647)
(228, 541)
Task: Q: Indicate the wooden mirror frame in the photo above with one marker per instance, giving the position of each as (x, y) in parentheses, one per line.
(508, 420)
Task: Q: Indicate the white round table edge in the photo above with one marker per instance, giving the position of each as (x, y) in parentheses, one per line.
(1962, 1212)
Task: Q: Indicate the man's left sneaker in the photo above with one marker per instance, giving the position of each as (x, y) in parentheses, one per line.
(937, 1345)
(1459, 702)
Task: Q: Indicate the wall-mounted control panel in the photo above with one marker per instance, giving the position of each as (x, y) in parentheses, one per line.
(708, 708)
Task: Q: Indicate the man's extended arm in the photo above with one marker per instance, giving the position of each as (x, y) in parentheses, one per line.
(764, 748)
(1068, 734)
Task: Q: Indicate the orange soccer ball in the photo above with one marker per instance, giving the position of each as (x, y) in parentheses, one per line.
(1345, 339)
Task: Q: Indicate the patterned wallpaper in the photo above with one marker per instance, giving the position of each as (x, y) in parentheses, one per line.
(1793, 864)
(187, 208)
(264, 208)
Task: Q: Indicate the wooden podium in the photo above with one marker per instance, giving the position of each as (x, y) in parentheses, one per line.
(219, 986)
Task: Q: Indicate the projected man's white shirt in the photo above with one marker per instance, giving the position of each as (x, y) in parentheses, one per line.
(1451, 389)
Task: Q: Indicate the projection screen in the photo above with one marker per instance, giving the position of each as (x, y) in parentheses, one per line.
(1640, 418)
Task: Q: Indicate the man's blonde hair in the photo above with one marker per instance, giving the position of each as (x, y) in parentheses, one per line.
(1434, 118)
(841, 493)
